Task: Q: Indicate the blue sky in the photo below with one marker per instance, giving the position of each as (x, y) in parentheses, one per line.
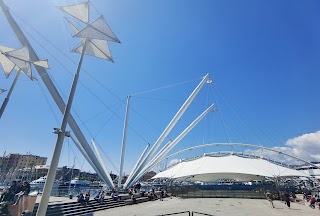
(263, 57)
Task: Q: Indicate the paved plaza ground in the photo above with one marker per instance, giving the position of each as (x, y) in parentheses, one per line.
(212, 206)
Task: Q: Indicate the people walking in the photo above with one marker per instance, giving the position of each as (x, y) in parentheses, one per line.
(286, 199)
(270, 198)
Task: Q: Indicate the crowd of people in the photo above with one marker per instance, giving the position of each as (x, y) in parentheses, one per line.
(83, 199)
(18, 189)
(99, 197)
(15, 192)
(313, 201)
(285, 197)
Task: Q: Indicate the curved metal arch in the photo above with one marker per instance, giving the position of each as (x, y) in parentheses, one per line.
(237, 144)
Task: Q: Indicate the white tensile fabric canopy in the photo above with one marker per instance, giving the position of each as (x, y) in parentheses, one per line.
(98, 29)
(19, 59)
(79, 11)
(96, 36)
(6, 64)
(209, 168)
(97, 48)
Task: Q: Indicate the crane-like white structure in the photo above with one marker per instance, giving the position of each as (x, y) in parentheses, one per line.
(140, 169)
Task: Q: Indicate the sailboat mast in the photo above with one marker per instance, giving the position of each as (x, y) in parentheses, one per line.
(3, 168)
(124, 140)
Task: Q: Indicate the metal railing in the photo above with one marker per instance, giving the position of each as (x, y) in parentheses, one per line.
(194, 212)
(188, 212)
(176, 213)
(195, 192)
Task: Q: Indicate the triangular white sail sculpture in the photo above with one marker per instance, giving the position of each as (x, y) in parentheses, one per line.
(94, 48)
(97, 48)
(78, 11)
(98, 29)
(21, 59)
(96, 35)
(42, 63)
(6, 64)
(75, 29)
(18, 59)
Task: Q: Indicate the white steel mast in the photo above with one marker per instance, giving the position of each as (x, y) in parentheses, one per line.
(88, 36)
(168, 128)
(166, 149)
(101, 161)
(124, 141)
(6, 100)
(53, 90)
(43, 205)
(68, 134)
(137, 164)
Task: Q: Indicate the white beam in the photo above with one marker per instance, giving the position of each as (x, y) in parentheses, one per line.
(85, 154)
(52, 89)
(43, 205)
(124, 141)
(166, 149)
(102, 163)
(6, 100)
(170, 126)
(137, 164)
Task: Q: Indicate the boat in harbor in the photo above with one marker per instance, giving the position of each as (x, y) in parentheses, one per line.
(76, 182)
(39, 183)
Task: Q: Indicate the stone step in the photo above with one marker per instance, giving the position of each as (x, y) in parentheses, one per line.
(75, 208)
